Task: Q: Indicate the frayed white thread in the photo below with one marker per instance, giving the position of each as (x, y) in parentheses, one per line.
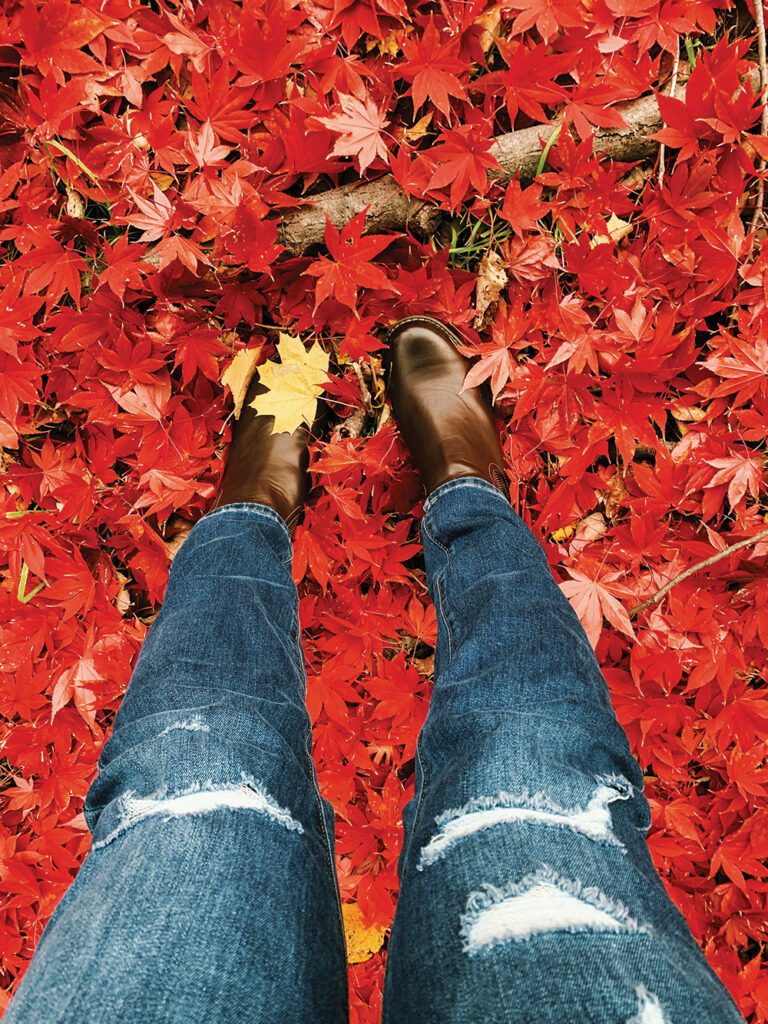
(593, 820)
(649, 1008)
(194, 725)
(542, 902)
(199, 798)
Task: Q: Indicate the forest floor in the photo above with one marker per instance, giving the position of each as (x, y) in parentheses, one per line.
(157, 160)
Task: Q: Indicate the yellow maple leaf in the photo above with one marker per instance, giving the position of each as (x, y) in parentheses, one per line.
(617, 229)
(562, 535)
(387, 47)
(238, 374)
(362, 940)
(416, 131)
(294, 384)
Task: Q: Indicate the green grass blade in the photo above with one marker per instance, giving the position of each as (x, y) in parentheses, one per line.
(20, 594)
(545, 153)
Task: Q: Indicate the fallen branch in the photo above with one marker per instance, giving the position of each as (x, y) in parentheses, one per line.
(696, 568)
(760, 24)
(390, 210)
(517, 153)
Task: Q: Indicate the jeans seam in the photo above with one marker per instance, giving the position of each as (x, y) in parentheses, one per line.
(420, 803)
(299, 651)
(439, 589)
(253, 507)
(327, 840)
(441, 602)
(434, 539)
(458, 483)
(318, 798)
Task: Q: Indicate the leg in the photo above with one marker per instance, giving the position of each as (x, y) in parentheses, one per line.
(209, 894)
(527, 891)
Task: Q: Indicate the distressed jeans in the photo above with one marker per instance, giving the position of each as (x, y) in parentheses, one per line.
(528, 895)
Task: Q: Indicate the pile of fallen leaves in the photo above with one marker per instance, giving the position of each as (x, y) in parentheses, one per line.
(149, 153)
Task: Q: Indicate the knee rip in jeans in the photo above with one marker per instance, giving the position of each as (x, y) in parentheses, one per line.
(542, 903)
(190, 725)
(592, 819)
(648, 1008)
(199, 798)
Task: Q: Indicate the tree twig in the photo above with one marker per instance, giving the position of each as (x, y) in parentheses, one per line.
(673, 86)
(365, 394)
(760, 23)
(762, 535)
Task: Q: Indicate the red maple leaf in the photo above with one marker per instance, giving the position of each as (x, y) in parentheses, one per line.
(496, 361)
(76, 683)
(742, 473)
(588, 104)
(717, 108)
(53, 107)
(350, 265)
(522, 208)
(204, 148)
(546, 15)
(591, 600)
(528, 80)
(55, 270)
(214, 100)
(263, 42)
(360, 124)
(196, 350)
(124, 266)
(54, 33)
(744, 368)
(159, 217)
(432, 66)
(463, 158)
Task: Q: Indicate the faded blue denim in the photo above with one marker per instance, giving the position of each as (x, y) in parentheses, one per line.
(527, 892)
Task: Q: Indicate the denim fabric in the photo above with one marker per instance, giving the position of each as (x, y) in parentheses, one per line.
(527, 891)
(209, 894)
(528, 895)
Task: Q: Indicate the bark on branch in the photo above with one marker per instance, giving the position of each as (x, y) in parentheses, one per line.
(763, 61)
(517, 152)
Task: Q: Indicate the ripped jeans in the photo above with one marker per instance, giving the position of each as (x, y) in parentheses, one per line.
(528, 895)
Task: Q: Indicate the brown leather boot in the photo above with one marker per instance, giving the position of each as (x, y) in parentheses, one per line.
(449, 434)
(271, 469)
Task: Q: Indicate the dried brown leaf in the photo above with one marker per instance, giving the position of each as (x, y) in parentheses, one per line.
(491, 280)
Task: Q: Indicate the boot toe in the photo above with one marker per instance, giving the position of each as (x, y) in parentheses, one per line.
(421, 348)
